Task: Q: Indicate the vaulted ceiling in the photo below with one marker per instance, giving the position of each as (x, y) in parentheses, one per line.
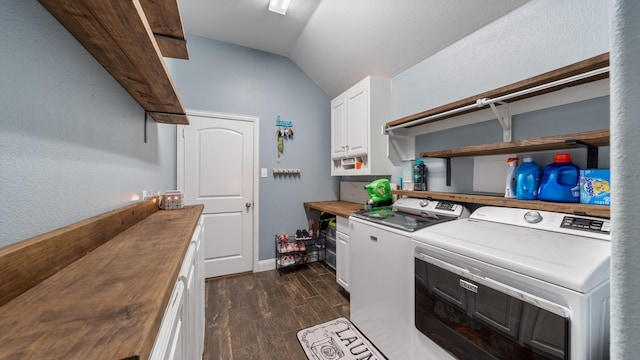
(339, 42)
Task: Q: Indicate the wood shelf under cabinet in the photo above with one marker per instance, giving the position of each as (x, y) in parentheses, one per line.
(119, 35)
(571, 208)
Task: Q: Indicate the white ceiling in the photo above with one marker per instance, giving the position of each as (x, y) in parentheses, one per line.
(339, 42)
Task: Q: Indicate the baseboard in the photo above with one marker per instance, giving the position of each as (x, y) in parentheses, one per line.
(265, 265)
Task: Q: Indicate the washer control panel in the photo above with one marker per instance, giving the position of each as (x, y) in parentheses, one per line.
(426, 206)
(445, 205)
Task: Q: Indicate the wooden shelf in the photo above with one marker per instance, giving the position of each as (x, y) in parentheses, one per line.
(107, 302)
(594, 63)
(557, 142)
(46, 254)
(590, 140)
(571, 208)
(166, 24)
(338, 208)
(119, 36)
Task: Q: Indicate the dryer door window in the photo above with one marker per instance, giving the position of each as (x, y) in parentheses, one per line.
(474, 321)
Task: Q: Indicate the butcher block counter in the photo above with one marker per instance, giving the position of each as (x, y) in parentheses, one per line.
(107, 304)
(338, 208)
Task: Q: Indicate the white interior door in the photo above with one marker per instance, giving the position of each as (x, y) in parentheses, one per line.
(218, 171)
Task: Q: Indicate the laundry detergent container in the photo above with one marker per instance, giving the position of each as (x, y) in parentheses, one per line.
(527, 179)
(560, 181)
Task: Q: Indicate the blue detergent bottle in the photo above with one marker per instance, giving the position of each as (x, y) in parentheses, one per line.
(560, 180)
(419, 176)
(527, 179)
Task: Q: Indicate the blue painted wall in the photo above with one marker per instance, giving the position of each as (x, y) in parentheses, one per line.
(222, 77)
(539, 36)
(71, 138)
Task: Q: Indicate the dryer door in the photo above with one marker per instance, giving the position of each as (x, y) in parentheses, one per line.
(473, 319)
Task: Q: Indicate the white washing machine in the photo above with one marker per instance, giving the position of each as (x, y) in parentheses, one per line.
(381, 271)
(512, 284)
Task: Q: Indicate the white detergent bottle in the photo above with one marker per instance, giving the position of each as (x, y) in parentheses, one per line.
(510, 187)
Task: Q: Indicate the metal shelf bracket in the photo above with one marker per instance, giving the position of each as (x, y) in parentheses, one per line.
(502, 114)
(448, 164)
(592, 152)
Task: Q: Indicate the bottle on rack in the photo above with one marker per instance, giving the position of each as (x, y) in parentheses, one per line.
(560, 180)
(510, 187)
(420, 176)
(527, 179)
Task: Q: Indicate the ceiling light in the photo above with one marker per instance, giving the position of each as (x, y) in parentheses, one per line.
(279, 6)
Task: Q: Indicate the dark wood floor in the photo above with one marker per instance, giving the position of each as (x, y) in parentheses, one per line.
(257, 315)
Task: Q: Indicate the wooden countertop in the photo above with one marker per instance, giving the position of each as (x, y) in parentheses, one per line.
(109, 303)
(338, 208)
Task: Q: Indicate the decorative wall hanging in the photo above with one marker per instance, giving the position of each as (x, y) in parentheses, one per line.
(283, 131)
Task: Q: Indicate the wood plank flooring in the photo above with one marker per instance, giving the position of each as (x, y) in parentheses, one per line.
(257, 315)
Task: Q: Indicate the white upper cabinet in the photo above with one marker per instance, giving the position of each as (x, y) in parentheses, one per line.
(338, 128)
(358, 145)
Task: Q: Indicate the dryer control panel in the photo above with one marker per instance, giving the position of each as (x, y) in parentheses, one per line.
(586, 224)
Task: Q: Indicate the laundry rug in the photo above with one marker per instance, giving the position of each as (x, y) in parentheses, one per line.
(337, 339)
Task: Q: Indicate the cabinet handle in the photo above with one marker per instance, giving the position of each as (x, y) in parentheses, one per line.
(374, 238)
(496, 285)
(247, 205)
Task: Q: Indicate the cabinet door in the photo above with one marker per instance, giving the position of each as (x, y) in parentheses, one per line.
(191, 310)
(358, 121)
(338, 127)
(168, 344)
(177, 345)
(199, 294)
(342, 260)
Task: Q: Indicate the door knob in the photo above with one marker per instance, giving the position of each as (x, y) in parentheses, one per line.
(247, 205)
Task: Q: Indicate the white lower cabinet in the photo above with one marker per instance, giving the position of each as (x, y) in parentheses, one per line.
(169, 342)
(181, 334)
(342, 252)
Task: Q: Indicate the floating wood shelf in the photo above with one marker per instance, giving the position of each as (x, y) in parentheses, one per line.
(557, 142)
(571, 208)
(591, 64)
(166, 24)
(119, 36)
(590, 140)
